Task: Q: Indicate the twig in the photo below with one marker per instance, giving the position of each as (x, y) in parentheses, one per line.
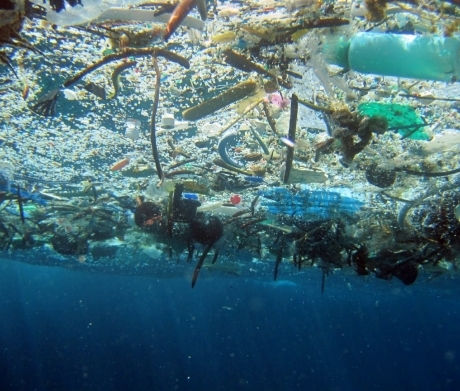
(292, 129)
(153, 137)
(246, 111)
(312, 106)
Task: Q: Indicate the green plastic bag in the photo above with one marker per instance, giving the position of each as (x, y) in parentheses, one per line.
(401, 118)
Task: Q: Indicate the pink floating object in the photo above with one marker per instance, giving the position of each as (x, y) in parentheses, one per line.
(276, 100)
(235, 199)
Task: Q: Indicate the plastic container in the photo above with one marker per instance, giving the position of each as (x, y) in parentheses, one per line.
(399, 55)
(307, 203)
(167, 121)
(191, 196)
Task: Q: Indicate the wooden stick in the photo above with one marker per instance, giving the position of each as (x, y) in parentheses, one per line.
(291, 136)
(153, 137)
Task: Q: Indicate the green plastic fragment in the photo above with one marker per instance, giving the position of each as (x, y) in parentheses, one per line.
(106, 52)
(401, 118)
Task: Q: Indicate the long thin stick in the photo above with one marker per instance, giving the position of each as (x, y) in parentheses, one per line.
(251, 107)
(210, 106)
(312, 106)
(129, 52)
(270, 119)
(242, 63)
(21, 208)
(153, 136)
(429, 98)
(291, 136)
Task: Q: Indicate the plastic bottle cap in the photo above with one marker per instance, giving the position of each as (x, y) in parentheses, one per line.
(235, 199)
(167, 121)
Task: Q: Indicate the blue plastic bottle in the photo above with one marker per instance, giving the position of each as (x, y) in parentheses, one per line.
(400, 55)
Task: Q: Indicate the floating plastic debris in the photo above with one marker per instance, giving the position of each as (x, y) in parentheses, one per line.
(191, 196)
(307, 203)
(52, 157)
(235, 199)
(254, 179)
(401, 117)
(226, 37)
(301, 175)
(379, 177)
(288, 142)
(167, 121)
(120, 164)
(400, 55)
(278, 101)
(233, 94)
(69, 94)
(132, 129)
(448, 139)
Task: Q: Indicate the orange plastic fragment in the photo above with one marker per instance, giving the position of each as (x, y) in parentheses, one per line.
(119, 165)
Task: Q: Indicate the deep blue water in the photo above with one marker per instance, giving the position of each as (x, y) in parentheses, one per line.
(66, 330)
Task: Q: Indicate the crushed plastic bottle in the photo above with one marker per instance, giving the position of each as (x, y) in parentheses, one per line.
(307, 203)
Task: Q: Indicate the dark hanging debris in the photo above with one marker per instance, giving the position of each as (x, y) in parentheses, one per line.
(95, 90)
(59, 5)
(279, 258)
(70, 243)
(359, 259)
(46, 105)
(206, 230)
(20, 204)
(380, 177)
(148, 215)
(407, 273)
(242, 63)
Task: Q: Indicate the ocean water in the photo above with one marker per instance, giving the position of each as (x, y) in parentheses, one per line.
(65, 330)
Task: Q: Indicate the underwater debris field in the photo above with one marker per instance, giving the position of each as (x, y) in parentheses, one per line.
(232, 142)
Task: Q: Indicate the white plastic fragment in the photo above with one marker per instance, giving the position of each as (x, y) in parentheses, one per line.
(358, 9)
(209, 207)
(301, 175)
(443, 141)
(69, 94)
(132, 129)
(141, 15)
(287, 141)
(167, 121)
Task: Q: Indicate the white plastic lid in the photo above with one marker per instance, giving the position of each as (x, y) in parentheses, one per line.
(167, 121)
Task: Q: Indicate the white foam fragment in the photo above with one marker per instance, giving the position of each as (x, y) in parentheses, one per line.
(69, 94)
(443, 141)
